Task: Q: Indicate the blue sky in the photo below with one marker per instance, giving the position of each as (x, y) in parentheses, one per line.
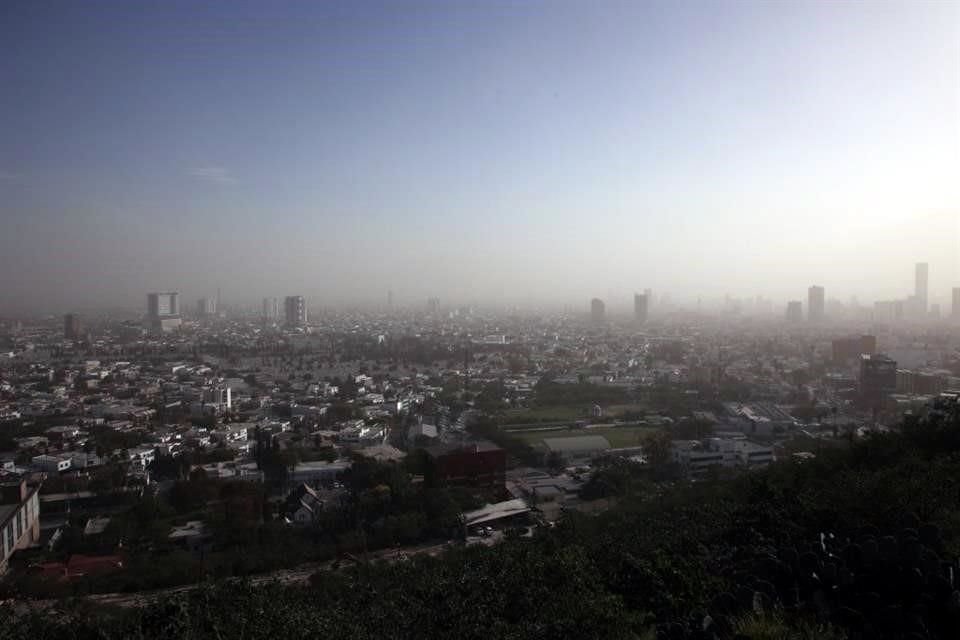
(501, 151)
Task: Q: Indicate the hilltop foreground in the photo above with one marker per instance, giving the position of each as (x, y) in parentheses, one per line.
(858, 543)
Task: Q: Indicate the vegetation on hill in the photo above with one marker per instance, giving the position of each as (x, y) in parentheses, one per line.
(857, 543)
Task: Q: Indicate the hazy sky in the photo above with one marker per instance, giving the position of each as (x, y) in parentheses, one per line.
(502, 151)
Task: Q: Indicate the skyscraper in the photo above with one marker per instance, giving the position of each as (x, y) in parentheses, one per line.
(640, 307)
(71, 326)
(846, 349)
(956, 304)
(597, 310)
(878, 378)
(165, 303)
(163, 311)
(271, 309)
(294, 311)
(206, 306)
(794, 311)
(815, 303)
(920, 287)
(884, 311)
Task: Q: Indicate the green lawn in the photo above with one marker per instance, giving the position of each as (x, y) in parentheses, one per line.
(620, 409)
(546, 414)
(618, 437)
(564, 413)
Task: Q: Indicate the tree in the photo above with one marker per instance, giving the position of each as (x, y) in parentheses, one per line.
(7, 443)
(657, 448)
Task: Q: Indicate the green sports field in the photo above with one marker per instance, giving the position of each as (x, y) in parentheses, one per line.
(618, 437)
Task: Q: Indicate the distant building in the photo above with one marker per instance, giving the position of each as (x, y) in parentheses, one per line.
(19, 519)
(698, 458)
(71, 326)
(294, 311)
(641, 307)
(697, 461)
(878, 378)
(422, 430)
(884, 310)
(433, 305)
(597, 310)
(847, 349)
(815, 304)
(794, 311)
(318, 471)
(478, 465)
(206, 306)
(955, 311)
(271, 309)
(163, 311)
(920, 382)
(921, 277)
(52, 463)
(303, 505)
(501, 514)
(163, 304)
(214, 401)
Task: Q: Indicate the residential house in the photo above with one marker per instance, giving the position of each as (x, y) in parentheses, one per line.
(303, 505)
(19, 518)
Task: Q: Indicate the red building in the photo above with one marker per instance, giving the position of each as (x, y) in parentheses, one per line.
(478, 465)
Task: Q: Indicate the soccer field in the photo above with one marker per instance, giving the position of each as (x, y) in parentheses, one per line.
(618, 437)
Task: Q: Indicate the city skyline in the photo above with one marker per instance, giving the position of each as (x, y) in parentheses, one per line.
(402, 318)
(535, 153)
(918, 305)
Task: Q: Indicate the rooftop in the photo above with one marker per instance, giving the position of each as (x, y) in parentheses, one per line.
(475, 446)
(496, 511)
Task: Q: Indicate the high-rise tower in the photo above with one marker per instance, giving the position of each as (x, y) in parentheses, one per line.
(163, 311)
(815, 304)
(294, 311)
(271, 309)
(921, 283)
(71, 326)
(641, 307)
(207, 306)
(794, 311)
(597, 310)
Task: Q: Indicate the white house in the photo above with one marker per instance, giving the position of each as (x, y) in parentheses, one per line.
(142, 456)
(52, 464)
(83, 459)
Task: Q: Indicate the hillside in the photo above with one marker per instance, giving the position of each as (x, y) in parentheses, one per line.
(856, 543)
